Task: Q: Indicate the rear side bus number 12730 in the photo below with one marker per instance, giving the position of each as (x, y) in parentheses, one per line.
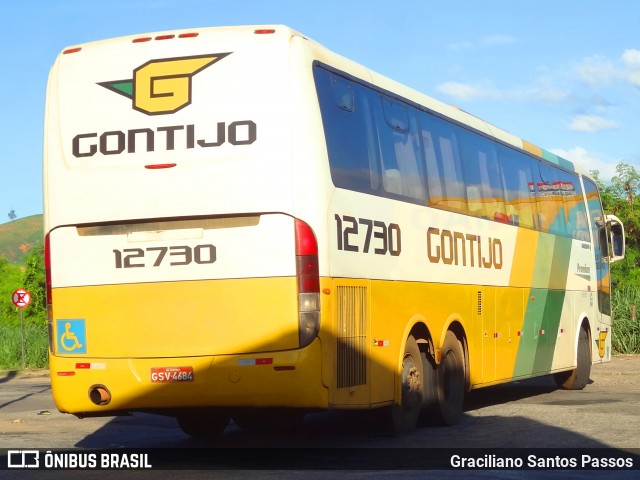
(156, 256)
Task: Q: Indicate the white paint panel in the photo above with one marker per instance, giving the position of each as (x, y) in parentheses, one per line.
(413, 262)
(264, 250)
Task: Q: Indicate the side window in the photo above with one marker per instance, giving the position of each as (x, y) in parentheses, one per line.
(598, 228)
(346, 115)
(443, 165)
(399, 150)
(483, 177)
(575, 210)
(550, 191)
(520, 202)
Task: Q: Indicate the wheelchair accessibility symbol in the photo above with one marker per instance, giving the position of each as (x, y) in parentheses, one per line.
(71, 336)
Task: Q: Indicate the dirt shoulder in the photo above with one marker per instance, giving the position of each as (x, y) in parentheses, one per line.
(621, 370)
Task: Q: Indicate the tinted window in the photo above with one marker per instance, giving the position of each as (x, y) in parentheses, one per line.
(483, 177)
(550, 191)
(399, 150)
(520, 202)
(351, 146)
(383, 146)
(443, 164)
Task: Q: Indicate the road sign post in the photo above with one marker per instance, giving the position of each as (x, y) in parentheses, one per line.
(21, 298)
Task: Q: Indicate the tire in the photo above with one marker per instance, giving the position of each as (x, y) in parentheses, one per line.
(203, 424)
(577, 378)
(430, 411)
(450, 375)
(404, 417)
(269, 419)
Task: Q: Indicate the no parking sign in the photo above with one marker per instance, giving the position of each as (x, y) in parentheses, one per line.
(21, 298)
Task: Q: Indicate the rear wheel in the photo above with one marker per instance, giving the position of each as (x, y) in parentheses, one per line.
(450, 381)
(577, 378)
(203, 424)
(404, 417)
(429, 414)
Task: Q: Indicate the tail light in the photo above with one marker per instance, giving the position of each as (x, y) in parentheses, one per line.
(47, 273)
(308, 276)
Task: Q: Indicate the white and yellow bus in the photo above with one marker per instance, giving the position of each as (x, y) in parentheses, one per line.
(242, 224)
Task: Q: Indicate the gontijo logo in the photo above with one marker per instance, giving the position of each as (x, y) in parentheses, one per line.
(163, 86)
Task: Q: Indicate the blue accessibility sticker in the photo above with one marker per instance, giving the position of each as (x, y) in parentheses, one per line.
(72, 337)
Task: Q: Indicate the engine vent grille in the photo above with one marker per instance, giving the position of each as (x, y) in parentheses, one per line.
(352, 336)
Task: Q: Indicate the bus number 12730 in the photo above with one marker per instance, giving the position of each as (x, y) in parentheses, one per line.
(386, 238)
(180, 255)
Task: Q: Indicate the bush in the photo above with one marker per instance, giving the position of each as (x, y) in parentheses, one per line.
(626, 330)
(36, 346)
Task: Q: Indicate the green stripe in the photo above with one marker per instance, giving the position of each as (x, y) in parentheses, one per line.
(544, 306)
(555, 159)
(529, 335)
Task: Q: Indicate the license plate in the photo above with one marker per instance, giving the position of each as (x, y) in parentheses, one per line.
(172, 374)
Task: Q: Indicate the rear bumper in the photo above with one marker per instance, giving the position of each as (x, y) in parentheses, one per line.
(276, 379)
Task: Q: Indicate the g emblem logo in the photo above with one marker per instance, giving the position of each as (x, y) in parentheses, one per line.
(163, 86)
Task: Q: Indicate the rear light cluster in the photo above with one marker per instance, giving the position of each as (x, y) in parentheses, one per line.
(171, 36)
(47, 273)
(308, 276)
(164, 37)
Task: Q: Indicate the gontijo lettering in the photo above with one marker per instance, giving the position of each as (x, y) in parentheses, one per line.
(115, 142)
(456, 248)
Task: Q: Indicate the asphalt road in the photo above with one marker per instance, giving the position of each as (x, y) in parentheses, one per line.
(528, 414)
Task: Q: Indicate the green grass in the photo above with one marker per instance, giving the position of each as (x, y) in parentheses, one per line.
(36, 347)
(626, 330)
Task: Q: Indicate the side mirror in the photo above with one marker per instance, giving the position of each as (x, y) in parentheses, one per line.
(616, 238)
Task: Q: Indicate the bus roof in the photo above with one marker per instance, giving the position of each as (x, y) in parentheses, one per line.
(337, 61)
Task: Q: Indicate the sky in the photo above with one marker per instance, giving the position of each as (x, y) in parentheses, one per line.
(564, 75)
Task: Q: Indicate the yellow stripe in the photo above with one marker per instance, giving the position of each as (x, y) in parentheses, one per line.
(525, 253)
(531, 148)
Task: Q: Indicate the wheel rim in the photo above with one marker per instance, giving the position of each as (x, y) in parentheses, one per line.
(411, 384)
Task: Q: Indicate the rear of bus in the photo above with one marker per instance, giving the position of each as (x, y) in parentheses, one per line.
(180, 273)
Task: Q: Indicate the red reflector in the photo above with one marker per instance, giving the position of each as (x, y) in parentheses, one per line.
(83, 365)
(308, 273)
(141, 39)
(66, 374)
(160, 165)
(264, 361)
(165, 37)
(188, 35)
(71, 50)
(307, 269)
(264, 31)
(283, 368)
(305, 239)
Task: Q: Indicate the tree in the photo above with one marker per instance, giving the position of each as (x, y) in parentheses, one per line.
(620, 198)
(12, 215)
(34, 281)
(10, 280)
